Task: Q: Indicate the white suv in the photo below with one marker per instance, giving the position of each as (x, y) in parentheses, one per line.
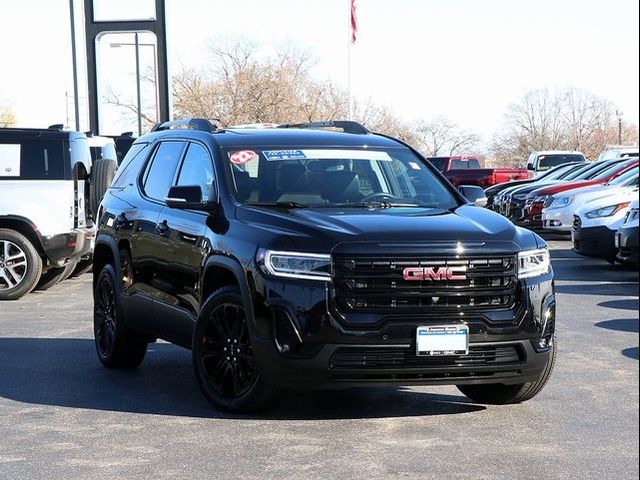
(46, 224)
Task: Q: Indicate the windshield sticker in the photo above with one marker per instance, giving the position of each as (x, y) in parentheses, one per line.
(414, 165)
(273, 155)
(242, 157)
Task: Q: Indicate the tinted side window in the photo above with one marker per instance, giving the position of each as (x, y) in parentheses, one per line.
(129, 168)
(39, 160)
(197, 169)
(162, 169)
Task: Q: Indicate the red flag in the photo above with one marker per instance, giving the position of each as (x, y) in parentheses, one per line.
(354, 22)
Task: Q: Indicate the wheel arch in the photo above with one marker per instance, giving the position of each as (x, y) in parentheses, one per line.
(105, 252)
(27, 228)
(221, 271)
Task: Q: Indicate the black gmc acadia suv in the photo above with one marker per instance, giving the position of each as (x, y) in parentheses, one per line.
(316, 256)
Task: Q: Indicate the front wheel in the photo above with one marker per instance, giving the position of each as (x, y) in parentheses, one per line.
(117, 345)
(223, 358)
(499, 394)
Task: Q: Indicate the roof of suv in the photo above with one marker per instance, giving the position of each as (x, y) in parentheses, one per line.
(39, 134)
(292, 136)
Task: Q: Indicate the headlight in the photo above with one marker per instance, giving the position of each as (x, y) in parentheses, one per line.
(540, 199)
(533, 263)
(307, 266)
(560, 202)
(606, 211)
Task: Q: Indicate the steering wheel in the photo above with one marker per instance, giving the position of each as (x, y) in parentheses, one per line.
(381, 196)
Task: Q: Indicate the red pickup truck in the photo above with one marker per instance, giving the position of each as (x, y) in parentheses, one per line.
(467, 171)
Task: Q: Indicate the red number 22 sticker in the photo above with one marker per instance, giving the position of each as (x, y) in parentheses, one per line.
(242, 157)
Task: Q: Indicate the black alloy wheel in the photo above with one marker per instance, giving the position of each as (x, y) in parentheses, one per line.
(105, 317)
(225, 354)
(224, 359)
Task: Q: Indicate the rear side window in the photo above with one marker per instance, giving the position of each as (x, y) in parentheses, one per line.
(197, 169)
(161, 171)
(130, 166)
(32, 160)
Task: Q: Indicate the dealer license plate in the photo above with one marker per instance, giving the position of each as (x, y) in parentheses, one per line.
(442, 340)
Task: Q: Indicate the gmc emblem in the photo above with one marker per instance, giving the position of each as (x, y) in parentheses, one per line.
(435, 274)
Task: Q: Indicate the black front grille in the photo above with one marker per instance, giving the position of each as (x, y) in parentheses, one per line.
(577, 222)
(377, 284)
(401, 358)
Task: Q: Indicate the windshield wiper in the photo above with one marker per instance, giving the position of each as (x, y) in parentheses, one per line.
(278, 204)
(377, 204)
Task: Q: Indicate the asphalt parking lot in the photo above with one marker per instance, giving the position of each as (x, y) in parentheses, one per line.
(63, 416)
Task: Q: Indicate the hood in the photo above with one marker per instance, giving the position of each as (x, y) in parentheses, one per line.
(554, 189)
(628, 195)
(316, 229)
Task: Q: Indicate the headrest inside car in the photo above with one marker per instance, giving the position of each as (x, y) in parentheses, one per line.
(339, 187)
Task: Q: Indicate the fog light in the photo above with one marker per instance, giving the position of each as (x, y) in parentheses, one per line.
(548, 325)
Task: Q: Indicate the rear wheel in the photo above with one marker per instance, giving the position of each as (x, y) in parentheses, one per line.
(51, 277)
(117, 345)
(20, 265)
(223, 358)
(499, 394)
(83, 266)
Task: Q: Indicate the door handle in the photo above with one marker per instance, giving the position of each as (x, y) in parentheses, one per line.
(162, 228)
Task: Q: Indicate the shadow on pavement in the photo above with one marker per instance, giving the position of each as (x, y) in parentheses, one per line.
(66, 373)
(622, 325)
(632, 352)
(630, 304)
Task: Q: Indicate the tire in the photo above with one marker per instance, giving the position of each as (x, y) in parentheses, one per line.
(223, 358)
(102, 173)
(500, 394)
(68, 270)
(51, 277)
(83, 266)
(20, 265)
(117, 345)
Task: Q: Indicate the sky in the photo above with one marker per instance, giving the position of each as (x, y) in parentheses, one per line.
(463, 59)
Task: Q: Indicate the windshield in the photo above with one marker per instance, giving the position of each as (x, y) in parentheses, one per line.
(558, 172)
(626, 178)
(344, 178)
(613, 170)
(545, 162)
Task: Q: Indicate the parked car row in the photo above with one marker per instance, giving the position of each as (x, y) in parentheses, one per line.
(591, 201)
(59, 178)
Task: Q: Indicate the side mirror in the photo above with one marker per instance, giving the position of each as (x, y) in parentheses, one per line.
(188, 197)
(474, 194)
(530, 166)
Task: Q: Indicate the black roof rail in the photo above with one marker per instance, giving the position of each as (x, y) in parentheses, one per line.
(56, 126)
(127, 134)
(201, 124)
(346, 126)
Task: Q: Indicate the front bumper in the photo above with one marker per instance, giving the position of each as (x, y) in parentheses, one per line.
(628, 252)
(300, 343)
(597, 242)
(558, 219)
(338, 366)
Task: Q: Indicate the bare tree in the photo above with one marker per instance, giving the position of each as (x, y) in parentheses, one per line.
(7, 117)
(440, 136)
(570, 119)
